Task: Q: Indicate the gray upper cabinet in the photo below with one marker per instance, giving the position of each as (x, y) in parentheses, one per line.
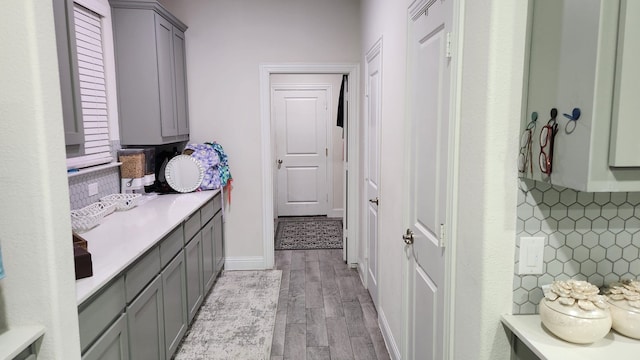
(580, 57)
(69, 78)
(625, 146)
(150, 72)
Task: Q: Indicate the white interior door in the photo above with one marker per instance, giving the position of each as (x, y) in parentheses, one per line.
(429, 79)
(301, 147)
(372, 164)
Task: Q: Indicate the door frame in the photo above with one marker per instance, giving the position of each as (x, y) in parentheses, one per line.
(329, 141)
(457, 29)
(352, 212)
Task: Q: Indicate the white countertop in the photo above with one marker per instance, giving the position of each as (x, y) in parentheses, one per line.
(125, 235)
(16, 339)
(543, 343)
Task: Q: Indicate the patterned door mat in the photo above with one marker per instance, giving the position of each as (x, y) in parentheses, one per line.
(299, 233)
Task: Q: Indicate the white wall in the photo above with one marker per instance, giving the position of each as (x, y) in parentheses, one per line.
(226, 41)
(336, 162)
(35, 229)
(490, 110)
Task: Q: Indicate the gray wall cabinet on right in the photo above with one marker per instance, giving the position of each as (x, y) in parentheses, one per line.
(582, 56)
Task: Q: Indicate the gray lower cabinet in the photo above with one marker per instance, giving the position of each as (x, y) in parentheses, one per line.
(195, 293)
(113, 344)
(146, 323)
(174, 295)
(27, 354)
(208, 256)
(145, 312)
(95, 315)
(151, 73)
(520, 351)
(218, 240)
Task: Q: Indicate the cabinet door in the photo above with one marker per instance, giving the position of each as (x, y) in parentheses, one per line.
(193, 254)
(218, 239)
(95, 315)
(69, 78)
(164, 48)
(146, 324)
(174, 294)
(208, 259)
(113, 344)
(182, 115)
(625, 146)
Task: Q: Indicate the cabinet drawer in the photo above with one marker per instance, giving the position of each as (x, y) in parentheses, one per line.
(113, 344)
(210, 208)
(191, 226)
(171, 245)
(142, 273)
(98, 313)
(206, 212)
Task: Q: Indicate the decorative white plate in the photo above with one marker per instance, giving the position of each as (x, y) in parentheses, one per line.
(184, 173)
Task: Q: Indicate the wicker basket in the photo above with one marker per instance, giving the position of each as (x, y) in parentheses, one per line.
(89, 216)
(122, 201)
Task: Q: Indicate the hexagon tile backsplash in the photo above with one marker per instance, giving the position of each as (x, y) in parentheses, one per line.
(590, 236)
(108, 181)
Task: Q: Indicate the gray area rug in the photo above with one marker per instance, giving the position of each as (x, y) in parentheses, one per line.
(237, 319)
(299, 233)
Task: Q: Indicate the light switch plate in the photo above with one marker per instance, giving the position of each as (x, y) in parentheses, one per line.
(531, 255)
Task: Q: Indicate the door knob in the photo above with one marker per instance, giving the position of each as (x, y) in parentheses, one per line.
(279, 163)
(374, 201)
(408, 237)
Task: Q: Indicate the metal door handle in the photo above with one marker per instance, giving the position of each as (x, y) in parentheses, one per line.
(279, 163)
(408, 237)
(374, 201)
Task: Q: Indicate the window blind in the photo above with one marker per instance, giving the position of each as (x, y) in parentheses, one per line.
(93, 95)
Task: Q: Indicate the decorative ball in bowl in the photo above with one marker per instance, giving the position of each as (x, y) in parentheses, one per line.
(624, 298)
(573, 311)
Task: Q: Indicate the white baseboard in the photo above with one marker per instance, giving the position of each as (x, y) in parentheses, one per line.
(389, 341)
(362, 271)
(244, 263)
(336, 213)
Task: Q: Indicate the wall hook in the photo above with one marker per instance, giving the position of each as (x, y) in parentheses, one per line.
(532, 123)
(575, 114)
(570, 126)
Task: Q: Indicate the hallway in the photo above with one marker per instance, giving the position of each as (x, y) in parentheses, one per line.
(324, 312)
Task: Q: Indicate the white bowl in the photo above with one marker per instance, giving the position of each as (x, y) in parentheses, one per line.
(573, 324)
(626, 319)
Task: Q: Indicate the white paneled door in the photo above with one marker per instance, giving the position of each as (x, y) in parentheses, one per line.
(429, 87)
(372, 163)
(300, 117)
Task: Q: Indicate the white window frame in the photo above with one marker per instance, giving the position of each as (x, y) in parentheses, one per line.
(102, 8)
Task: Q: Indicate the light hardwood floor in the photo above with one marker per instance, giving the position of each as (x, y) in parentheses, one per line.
(324, 312)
